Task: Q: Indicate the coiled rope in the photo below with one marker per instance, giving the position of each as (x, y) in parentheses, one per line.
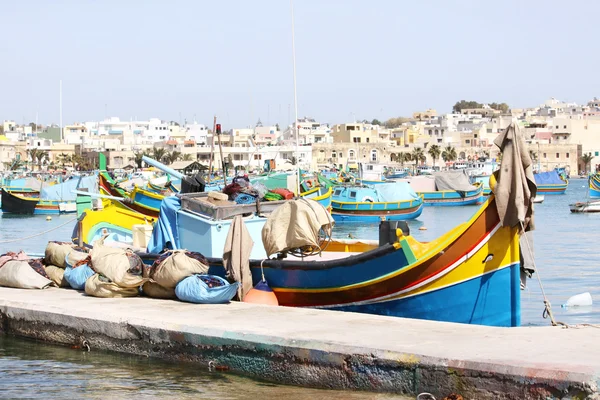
(38, 234)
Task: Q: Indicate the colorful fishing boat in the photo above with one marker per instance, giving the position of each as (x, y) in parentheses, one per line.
(551, 182)
(447, 188)
(113, 221)
(138, 200)
(471, 274)
(483, 180)
(594, 185)
(321, 195)
(19, 202)
(392, 201)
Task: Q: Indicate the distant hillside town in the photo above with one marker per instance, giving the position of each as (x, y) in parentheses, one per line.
(559, 135)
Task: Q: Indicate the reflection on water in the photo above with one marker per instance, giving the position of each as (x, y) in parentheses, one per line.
(39, 371)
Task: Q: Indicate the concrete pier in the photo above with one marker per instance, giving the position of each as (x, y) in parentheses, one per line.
(320, 348)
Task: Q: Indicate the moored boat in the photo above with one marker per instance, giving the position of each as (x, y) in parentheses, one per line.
(585, 207)
(392, 201)
(594, 185)
(551, 182)
(447, 188)
(19, 203)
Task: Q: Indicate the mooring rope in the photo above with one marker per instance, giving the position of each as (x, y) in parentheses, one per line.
(38, 234)
(547, 306)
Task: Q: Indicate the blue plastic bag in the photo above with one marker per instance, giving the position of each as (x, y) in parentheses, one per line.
(205, 289)
(77, 276)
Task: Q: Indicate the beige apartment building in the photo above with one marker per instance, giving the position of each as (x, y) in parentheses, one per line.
(359, 133)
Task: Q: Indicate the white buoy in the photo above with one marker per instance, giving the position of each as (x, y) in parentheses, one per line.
(48, 218)
(579, 300)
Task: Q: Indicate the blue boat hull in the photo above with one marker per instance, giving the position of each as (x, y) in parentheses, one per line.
(342, 217)
(453, 198)
(482, 300)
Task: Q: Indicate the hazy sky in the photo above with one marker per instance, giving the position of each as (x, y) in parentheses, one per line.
(355, 59)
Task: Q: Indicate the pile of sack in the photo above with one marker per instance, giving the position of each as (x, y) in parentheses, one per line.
(18, 270)
(117, 272)
(66, 265)
(184, 275)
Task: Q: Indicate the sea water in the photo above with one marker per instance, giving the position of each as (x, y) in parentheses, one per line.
(567, 255)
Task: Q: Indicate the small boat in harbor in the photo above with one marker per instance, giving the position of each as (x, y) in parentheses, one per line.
(391, 201)
(539, 198)
(447, 188)
(551, 182)
(585, 207)
(594, 185)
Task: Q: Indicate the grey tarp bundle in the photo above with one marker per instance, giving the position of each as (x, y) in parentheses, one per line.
(515, 190)
(453, 180)
(236, 255)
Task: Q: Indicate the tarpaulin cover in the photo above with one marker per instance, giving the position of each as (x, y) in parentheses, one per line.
(164, 234)
(396, 191)
(63, 191)
(546, 178)
(453, 180)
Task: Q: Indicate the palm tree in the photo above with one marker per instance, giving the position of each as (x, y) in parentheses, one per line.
(138, 157)
(434, 152)
(41, 156)
(173, 156)
(403, 157)
(78, 161)
(63, 158)
(187, 157)
(418, 155)
(159, 153)
(13, 165)
(586, 159)
(33, 154)
(449, 154)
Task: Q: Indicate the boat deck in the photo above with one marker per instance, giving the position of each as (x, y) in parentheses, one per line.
(319, 348)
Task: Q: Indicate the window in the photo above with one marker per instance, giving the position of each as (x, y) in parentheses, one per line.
(564, 137)
(557, 155)
(337, 192)
(556, 126)
(567, 155)
(258, 156)
(442, 131)
(333, 154)
(373, 155)
(436, 132)
(475, 136)
(353, 194)
(596, 154)
(370, 167)
(565, 126)
(430, 131)
(544, 155)
(350, 153)
(367, 139)
(467, 141)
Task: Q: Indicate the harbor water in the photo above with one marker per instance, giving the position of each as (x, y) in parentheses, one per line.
(566, 255)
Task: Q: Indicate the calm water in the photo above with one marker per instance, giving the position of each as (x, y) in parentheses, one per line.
(567, 257)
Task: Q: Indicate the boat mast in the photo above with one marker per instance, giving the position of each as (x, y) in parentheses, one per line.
(212, 148)
(295, 103)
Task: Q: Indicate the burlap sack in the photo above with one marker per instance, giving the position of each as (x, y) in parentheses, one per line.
(153, 289)
(99, 286)
(57, 275)
(73, 257)
(121, 266)
(18, 274)
(56, 253)
(176, 268)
